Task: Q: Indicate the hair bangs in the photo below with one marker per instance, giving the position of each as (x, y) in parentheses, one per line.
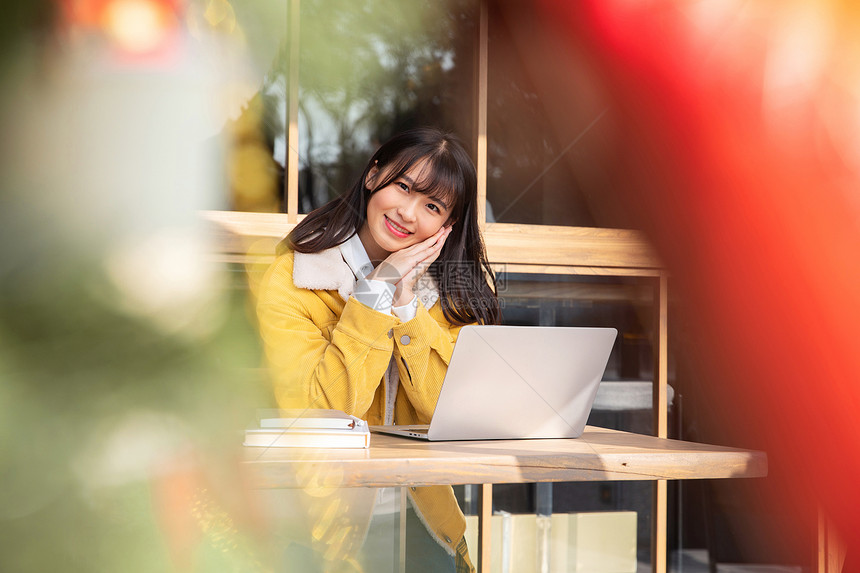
(441, 183)
(440, 178)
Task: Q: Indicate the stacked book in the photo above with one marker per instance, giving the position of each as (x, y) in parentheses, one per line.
(309, 428)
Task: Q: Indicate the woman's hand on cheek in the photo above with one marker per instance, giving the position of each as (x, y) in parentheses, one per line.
(404, 267)
(404, 291)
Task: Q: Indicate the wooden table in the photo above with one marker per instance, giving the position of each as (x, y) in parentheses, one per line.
(598, 455)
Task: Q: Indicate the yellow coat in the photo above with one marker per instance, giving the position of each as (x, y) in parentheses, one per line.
(327, 350)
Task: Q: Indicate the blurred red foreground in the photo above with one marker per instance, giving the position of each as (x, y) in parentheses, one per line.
(744, 183)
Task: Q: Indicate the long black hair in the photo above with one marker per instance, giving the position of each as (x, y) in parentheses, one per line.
(461, 271)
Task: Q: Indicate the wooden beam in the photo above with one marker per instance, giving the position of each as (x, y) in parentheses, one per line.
(485, 529)
(618, 251)
(483, 67)
(292, 177)
(659, 537)
(661, 359)
(660, 499)
(555, 245)
(401, 545)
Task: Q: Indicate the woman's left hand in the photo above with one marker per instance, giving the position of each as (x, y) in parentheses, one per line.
(403, 293)
(403, 268)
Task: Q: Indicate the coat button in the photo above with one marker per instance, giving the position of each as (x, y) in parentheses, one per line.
(413, 488)
(447, 539)
(390, 334)
(404, 340)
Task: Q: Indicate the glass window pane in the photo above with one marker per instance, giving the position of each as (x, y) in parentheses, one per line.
(623, 403)
(543, 169)
(255, 139)
(371, 69)
(624, 303)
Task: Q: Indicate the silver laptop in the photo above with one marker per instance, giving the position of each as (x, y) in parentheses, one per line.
(511, 382)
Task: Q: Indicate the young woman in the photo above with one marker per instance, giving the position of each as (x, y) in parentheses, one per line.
(361, 310)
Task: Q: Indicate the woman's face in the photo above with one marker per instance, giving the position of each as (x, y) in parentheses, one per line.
(398, 216)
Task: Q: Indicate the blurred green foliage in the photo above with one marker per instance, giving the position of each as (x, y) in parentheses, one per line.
(101, 406)
(23, 20)
(73, 370)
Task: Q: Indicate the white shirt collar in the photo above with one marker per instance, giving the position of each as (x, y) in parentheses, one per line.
(356, 257)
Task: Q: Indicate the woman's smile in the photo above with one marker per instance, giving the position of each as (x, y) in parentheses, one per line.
(396, 230)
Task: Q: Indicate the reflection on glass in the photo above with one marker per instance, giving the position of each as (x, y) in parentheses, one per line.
(370, 70)
(574, 300)
(544, 169)
(255, 140)
(333, 529)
